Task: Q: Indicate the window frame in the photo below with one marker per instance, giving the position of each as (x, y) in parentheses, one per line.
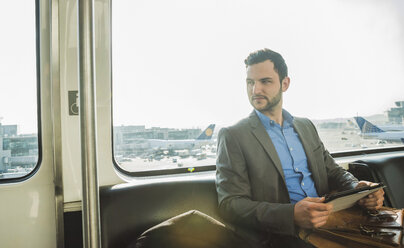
(38, 102)
(209, 167)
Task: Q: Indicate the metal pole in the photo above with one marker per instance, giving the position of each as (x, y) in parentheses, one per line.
(91, 227)
(57, 123)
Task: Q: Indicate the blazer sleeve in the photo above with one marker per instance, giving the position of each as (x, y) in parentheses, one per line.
(236, 203)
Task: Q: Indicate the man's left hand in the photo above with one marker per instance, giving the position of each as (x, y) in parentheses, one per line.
(372, 201)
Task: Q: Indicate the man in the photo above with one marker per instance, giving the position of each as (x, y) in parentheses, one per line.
(272, 168)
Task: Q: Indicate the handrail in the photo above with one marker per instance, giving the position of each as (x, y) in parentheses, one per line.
(91, 216)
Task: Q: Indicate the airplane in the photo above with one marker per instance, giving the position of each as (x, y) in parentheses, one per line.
(393, 128)
(371, 131)
(204, 138)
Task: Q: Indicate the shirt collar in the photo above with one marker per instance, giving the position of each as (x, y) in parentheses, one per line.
(267, 122)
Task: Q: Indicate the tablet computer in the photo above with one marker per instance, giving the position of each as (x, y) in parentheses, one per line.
(348, 198)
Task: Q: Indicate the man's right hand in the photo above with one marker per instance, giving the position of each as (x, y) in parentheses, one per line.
(312, 212)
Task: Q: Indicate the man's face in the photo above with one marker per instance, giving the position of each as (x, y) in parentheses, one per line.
(264, 88)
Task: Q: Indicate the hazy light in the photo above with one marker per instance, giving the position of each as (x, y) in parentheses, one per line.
(180, 64)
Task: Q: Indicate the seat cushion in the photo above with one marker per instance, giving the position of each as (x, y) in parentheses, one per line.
(389, 171)
(192, 229)
(128, 209)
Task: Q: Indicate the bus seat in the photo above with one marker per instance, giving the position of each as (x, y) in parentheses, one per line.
(127, 210)
(387, 170)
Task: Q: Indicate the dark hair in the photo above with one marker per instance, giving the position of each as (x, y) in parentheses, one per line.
(266, 54)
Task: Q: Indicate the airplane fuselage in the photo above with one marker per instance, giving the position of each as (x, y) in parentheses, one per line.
(177, 144)
(388, 136)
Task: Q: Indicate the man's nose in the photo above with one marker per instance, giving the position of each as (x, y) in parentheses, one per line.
(257, 87)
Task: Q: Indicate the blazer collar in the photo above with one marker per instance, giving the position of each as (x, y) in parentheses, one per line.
(261, 134)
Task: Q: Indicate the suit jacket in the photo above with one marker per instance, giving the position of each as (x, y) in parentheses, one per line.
(250, 182)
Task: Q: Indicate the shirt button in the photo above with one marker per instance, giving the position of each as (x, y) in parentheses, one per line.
(302, 184)
(291, 149)
(296, 169)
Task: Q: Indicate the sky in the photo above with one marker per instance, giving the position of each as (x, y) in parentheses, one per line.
(180, 63)
(18, 82)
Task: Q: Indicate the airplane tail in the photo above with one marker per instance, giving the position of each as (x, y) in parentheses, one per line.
(367, 127)
(207, 133)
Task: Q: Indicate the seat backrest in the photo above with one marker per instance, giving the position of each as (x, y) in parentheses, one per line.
(388, 170)
(127, 210)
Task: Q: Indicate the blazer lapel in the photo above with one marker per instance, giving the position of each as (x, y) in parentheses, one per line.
(262, 136)
(299, 128)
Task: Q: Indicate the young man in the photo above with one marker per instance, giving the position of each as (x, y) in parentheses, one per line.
(272, 167)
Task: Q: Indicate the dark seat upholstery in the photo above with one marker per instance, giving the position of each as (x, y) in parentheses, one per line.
(388, 170)
(127, 210)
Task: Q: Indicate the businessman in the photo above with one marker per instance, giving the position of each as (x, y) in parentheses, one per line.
(272, 167)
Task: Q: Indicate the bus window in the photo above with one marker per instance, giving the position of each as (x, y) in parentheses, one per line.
(18, 92)
(178, 68)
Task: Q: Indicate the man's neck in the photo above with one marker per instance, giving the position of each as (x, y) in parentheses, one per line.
(275, 115)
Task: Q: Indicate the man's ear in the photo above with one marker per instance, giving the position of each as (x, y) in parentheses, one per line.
(285, 84)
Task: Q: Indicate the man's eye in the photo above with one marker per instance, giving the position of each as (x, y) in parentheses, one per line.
(250, 82)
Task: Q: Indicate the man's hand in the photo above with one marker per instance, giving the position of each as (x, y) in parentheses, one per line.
(372, 201)
(312, 212)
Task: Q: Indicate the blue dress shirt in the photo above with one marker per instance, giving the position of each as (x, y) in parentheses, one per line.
(293, 158)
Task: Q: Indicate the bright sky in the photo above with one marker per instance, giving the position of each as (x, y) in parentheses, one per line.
(180, 63)
(18, 65)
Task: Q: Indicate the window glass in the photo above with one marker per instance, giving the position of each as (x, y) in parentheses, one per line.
(18, 98)
(178, 67)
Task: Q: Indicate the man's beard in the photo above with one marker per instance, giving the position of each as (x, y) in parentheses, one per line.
(271, 104)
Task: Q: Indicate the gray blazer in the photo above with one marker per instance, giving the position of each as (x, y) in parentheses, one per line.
(250, 183)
